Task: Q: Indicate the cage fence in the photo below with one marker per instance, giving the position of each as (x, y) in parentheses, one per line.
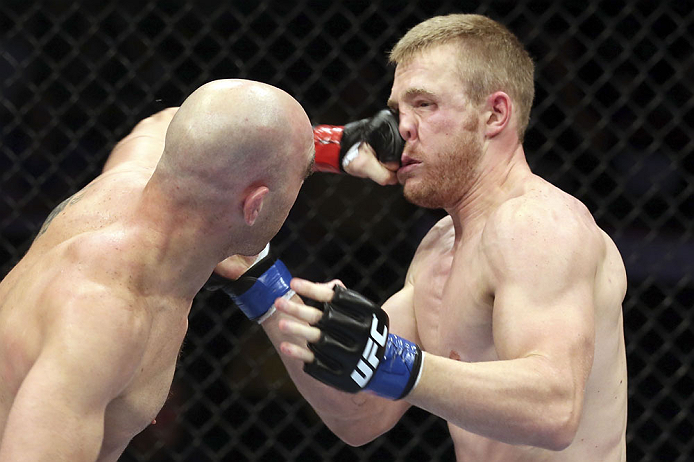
(611, 124)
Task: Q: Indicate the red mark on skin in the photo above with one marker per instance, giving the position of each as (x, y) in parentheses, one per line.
(454, 355)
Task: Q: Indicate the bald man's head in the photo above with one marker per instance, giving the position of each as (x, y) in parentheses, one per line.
(231, 136)
(240, 124)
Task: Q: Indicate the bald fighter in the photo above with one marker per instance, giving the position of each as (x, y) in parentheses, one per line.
(93, 316)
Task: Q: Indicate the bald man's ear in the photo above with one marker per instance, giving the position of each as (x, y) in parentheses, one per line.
(499, 108)
(253, 204)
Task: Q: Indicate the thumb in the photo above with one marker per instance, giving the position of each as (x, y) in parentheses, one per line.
(366, 165)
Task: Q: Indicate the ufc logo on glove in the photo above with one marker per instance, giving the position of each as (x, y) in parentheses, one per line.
(363, 373)
(355, 352)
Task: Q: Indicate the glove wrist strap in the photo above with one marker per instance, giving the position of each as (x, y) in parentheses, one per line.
(258, 302)
(399, 370)
(351, 154)
(256, 290)
(326, 139)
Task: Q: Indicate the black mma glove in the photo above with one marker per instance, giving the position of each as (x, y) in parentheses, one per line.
(336, 146)
(355, 351)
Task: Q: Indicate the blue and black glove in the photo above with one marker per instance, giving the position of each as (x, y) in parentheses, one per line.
(355, 351)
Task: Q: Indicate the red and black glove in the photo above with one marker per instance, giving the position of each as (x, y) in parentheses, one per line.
(334, 142)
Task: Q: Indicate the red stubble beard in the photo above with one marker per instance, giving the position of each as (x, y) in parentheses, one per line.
(445, 176)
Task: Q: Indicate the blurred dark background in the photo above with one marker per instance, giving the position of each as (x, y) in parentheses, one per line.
(612, 125)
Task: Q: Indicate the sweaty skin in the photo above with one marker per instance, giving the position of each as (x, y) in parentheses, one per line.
(515, 296)
(93, 316)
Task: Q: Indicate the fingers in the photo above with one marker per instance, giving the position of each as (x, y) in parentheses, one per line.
(301, 319)
(297, 329)
(366, 165)
(302, 312)
(297, 352)
(300, 327)
(313, 290)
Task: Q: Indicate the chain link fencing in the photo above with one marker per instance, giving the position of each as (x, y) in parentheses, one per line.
(611, 124)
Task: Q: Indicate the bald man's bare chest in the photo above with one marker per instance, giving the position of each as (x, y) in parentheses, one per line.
(138, 405)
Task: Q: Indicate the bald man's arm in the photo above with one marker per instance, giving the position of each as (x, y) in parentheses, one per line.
(367, 148)
(145, 143)
(367, 165)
